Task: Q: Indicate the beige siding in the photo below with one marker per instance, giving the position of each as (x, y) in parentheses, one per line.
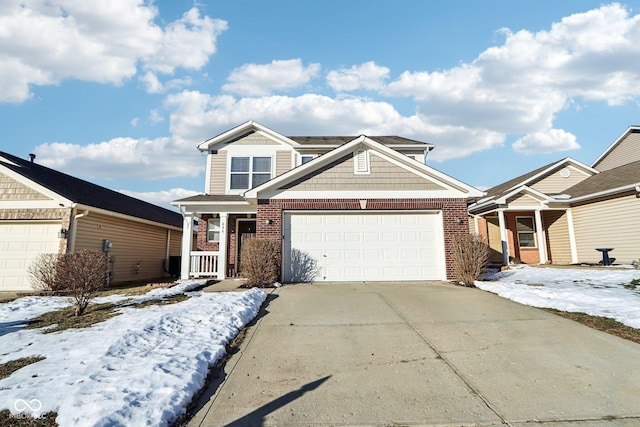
(523, 200)
(558, 245)
(283, 162)
(218, 180)
(472, 226)
(556, 183)
(384, 176)
(609, 223)
(627, 151)
(10, 189)
(134, 244)
(495, 240)
(255, 138)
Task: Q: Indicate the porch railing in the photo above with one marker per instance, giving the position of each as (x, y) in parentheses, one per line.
(204, 264)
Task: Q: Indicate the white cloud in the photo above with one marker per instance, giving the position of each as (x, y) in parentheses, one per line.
(161, 198)
(135, 121)
(551, 141)
(43, 43)
(151, 82)
(124, 158)
(365, 76)
(264, 79)
(197, 116)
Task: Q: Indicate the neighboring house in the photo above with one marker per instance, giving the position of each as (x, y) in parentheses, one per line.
(343, 208)
(46, 211)
(560, 213)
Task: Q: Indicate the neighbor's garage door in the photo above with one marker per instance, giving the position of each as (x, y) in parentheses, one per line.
(20, 244)
(347, 246)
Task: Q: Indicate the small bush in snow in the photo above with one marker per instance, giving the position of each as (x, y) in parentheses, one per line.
(80, 275)
(259, 262)
(470, 255)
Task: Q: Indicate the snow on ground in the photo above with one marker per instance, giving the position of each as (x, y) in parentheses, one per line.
(141, 367)
(607, 292)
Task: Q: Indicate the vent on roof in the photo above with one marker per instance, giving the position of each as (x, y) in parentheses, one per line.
(361, 161)
(32, 157)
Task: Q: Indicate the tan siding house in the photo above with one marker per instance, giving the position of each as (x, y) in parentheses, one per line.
(342, 207)
(45, 211)
(576, 209)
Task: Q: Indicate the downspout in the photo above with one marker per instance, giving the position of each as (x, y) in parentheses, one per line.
(73, 230)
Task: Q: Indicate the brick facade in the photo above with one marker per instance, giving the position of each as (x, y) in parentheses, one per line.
(269, 224)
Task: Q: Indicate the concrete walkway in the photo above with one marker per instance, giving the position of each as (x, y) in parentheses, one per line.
(421, 354)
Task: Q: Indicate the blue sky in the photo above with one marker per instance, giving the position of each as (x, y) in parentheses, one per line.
(121, 92)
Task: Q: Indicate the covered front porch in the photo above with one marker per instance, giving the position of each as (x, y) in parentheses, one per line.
(526, 226)
(223, 224)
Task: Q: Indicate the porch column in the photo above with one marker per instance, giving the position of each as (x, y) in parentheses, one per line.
(542, 241)
(503, 237)
(187, 238)
(572, 237)
(222, 248)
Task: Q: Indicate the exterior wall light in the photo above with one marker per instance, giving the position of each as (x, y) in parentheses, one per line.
(63, 233)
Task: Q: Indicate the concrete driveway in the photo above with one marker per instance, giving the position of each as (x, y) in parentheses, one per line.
(433, 354)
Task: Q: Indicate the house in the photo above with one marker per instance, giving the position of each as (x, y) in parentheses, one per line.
(563, 212)
(342, 208)
(46, 211)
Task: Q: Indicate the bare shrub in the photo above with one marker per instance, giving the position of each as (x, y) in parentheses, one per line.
(259, 262)
(470, 255)
(45, 275)
(80, 275)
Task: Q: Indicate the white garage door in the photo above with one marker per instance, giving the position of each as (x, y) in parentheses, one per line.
(372, 246)
(20, 244)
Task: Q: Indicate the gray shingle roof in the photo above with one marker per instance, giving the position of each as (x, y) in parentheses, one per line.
(340, 140)
(86, 193)
(621, 176)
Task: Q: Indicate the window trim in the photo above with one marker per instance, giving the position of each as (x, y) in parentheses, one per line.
(533, 232)
(211, 221)
(361, 162)
(250, 173)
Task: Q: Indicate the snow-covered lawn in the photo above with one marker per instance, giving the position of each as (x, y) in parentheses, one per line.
(607, 292)
(139, 368)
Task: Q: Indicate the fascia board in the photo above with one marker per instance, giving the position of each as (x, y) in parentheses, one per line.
(524, 189)
(113, 214)
(601, 193)
(61, 200)
(443, 178)
(615, 143)
(243, 128)
(565, 161)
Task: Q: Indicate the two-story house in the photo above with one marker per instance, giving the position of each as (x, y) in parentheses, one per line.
(344, 208)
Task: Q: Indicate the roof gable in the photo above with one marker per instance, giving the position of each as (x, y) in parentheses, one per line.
(310, 169)
(242, 131)
(531, 178)
(625, 149)
(82, 192)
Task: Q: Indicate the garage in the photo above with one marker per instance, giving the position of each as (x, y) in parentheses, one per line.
(355, 246)
(20, 244)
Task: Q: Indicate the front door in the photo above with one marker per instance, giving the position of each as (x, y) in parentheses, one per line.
(246, 230)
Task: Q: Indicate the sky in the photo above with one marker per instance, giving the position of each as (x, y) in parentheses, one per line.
(120, 93)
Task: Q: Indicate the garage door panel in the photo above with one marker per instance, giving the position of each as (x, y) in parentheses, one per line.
(368, 246)
(20, 244)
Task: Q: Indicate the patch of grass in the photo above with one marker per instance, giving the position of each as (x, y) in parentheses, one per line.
(632, 284)
(23, 420)
(170, 300)
(10, 367)
(604, 324)
(66, 319)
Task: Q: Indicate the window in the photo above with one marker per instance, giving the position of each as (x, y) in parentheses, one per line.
(526, 232)
(305, 159)
(249, 170)
(213, 230)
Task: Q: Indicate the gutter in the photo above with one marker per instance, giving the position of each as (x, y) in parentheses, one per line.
(71, 245)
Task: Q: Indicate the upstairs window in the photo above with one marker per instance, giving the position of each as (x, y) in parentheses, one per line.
(249, 172)
(306, 159)
(526, 232)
